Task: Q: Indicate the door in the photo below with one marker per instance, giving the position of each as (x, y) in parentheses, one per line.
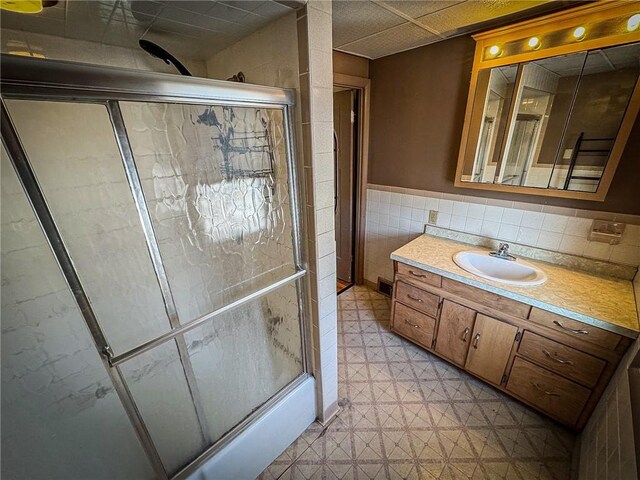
(454, 333)
(343, 153)
(490, 348)
(174, 221)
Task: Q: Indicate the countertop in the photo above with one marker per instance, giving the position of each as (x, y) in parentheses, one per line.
(605, 302)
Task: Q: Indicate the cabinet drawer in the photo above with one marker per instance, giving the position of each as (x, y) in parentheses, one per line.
(551, 393)
(489, 299)
(420, 275)
(414, 325)
(567, 361)
(575, 329)
(419, 299)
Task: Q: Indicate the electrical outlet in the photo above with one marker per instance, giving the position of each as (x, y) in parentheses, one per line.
(433, 217)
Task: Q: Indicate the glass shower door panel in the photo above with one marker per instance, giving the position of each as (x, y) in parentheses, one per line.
(216, 182)
(244, 357)
(72, 149)
(159, 387)
(61, 417)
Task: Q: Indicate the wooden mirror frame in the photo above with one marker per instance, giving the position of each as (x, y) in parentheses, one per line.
(555, 32)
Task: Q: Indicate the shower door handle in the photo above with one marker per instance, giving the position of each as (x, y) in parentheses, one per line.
(335, 173)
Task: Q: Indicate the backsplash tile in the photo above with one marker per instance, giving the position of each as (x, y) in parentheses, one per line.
(395, 216)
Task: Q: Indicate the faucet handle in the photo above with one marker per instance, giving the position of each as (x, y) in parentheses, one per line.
(503, 247)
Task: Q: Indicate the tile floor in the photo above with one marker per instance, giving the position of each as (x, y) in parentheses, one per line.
(407, 414)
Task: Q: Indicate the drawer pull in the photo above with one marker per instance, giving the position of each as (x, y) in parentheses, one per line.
(540, 388)
(411, 324)
(556, 359)
(476, 339)
(465, 333)
(419, 275)
(576, 331)
(415, 299)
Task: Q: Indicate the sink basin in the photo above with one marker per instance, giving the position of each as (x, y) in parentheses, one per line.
(516, 272)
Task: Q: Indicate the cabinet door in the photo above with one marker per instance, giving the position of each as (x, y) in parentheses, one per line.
(454, 332)
(491, 345)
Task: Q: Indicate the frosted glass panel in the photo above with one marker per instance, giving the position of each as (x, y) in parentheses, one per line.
(72, 150)
(215, 179)
(244, 357)
(61, 418)
(157, 382)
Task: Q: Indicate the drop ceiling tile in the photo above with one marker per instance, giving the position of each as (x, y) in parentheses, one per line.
(396, 39)
(220, 10)
(354, 20)
(463, 16)
(420, 8)
(197, 6)
(248, 5)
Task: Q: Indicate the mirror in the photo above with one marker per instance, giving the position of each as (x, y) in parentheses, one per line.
(551, 123)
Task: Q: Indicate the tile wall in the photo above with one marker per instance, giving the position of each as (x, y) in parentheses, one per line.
(607, 444)
(397, 215)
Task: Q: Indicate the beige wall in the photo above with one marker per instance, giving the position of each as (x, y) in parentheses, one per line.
(347, 64)
(418, 103)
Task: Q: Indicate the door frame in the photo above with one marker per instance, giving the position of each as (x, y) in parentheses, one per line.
(363, 85)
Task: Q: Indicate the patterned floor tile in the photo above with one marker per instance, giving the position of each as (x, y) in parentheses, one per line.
(407, 414)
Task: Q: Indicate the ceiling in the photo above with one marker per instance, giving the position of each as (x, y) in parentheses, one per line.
(188, 29)
(376, 28)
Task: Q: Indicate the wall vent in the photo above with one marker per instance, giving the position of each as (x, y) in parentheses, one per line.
(385, 287)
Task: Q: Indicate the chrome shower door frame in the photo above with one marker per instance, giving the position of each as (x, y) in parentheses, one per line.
(49, 80)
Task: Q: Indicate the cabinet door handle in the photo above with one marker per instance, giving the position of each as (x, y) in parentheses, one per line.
(540, 388)
(576, 331)
(465, 333)
(476, 339)
(411, 324)
(556, 359)
(419, 275)
(415, 299)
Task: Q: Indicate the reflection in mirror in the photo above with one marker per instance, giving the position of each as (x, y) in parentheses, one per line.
(543, 100)
(489, 119)
(606, 85)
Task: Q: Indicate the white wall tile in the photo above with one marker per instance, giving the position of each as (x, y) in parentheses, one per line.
(444, 220)
(578, 226)
(508, 232)
(405, 212)
(418, 202)
(473, 225)
(489, 228)
(493, 214)
(528, 236)
(532, 219)
(627, 254)
(460, 208)
(476, 211)
(445, 206)
(573, 244)
(511, 216)
(549, 240)
(554, 223)
(457, 222)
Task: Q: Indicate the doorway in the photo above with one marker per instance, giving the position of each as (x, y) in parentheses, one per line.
(345, 153)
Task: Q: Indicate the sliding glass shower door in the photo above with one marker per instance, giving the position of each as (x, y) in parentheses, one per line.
(175, 311)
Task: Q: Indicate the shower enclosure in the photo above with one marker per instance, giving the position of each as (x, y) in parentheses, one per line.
(153, 299)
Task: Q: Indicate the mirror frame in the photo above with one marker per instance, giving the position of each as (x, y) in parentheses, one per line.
(555, 34)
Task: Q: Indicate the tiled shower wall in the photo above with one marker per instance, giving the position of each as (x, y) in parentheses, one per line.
(607, 444)
(397, 215)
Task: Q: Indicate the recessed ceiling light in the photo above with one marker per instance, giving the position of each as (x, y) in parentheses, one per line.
(534, 42)
(494, 50)
(21, 6)
(633, 22)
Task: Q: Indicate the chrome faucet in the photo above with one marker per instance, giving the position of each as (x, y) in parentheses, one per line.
(503, 252)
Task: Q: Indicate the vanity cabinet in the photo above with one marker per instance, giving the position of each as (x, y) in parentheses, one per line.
(490, 350)
(454, 334)
(554, 364)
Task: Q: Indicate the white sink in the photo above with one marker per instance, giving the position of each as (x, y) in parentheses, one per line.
(512, 272)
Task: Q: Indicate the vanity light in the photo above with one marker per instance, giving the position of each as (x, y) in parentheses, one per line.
(633, 22)
(579, 33)
(534, 42)
(494, 50)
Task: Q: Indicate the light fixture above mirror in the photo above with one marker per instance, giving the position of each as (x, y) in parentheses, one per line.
(552, 103)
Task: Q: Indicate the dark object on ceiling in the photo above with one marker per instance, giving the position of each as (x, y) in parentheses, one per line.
(159, 52)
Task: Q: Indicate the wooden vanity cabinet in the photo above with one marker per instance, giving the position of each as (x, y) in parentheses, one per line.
(556, 365)
(491, 345)
(455, 332)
